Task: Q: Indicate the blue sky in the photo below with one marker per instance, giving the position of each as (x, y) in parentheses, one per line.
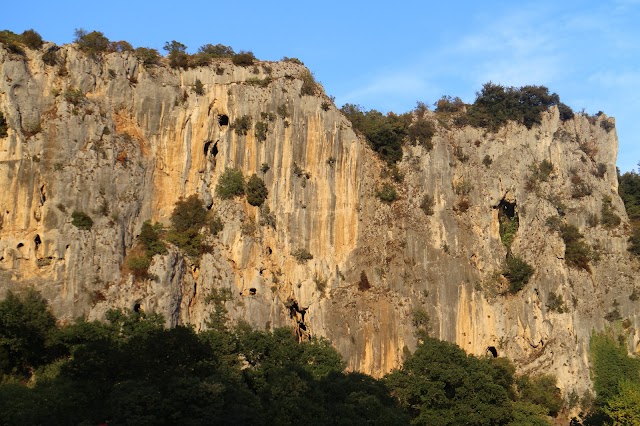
(389, 55)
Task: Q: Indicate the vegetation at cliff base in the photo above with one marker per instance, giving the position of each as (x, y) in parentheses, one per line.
(131, 369)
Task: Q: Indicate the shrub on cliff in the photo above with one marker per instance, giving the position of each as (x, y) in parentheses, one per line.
(518, 272)
(384, 133)
(32, 39)
(387, 193)
(189, 213)
(309, 85)
(93, 43)
(257, 191)
(149, 57)
(243, 59)
(495, 105)
(81, 220)
(230, 184)
(150, 239)
(217, 51)
(177, 54)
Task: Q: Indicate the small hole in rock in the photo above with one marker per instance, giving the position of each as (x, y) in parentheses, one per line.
(207, 145)
(20, 245)
(493, 351)
(252, 291)
(37, 241)
(136, 307)
(223, 120)
(269, 251)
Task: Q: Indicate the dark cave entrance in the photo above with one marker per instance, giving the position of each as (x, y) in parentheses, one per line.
(223, 120)
(506, 208)
(136, 307)
(493, 351)
(37, 241)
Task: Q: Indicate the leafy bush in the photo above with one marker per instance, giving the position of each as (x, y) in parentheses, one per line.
(257, 191)
(427, 204)
(302, 255)
(292, 60)
(384, 133)
(243, 59)
(518, 272)
(387, 194)
(496, 105)
(608, 218)
(177, 54)
(555, 302)
(150, 239)
(261, 131)
(242, 125)
(266, 217)
(610, 366)
(217, 51)
(189, 213)
(447, 104)
(309, 85)
(32, 39)
(576, 253)
(93, 43)
(139, 266)
(26, 331)
(190, 242)
(149, 57)
(215, 225)
(230, 184)
(541, 390)
(81, 220)
(421, 132)
(74, 96)
(508, 228)
(198, 87)
(12, 41)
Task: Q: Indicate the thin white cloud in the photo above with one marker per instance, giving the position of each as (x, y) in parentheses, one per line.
(628, 80)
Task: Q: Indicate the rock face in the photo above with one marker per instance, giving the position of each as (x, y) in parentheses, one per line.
(122, 143)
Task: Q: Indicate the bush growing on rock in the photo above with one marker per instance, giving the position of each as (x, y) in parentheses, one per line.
(177, 54)
(230, 184)
(93, 43)
(243, 59)
(387, 193)
(149, 57)
(81, 220)
(189, 213)
(257, 191)
(518, 272)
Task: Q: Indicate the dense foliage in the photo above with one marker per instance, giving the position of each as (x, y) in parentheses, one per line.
(230, 184)
(518, 272)
(629, 190)
(257, 191)
(384, 133)
(616, 381)
(495, 105)
(132, 370)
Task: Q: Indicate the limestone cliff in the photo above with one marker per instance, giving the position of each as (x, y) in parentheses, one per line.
(123, 142)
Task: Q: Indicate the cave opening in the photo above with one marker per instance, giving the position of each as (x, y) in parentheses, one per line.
(493, 351)
(43, 196)
(136, 307)
(269, 251)
(252, 291)
(207, 145)
(20, 245)
(214, 150)
(223, 120)
(507, 208)
(37, 241)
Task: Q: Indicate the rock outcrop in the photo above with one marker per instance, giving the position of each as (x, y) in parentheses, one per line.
(122, 143)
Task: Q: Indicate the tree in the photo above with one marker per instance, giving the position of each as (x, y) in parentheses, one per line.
(217, 51)
(624, 408)
(440, 384)
(177, 54)
(26, 327)
(93, 43)
(257, 191)
(230, 184)
(189, 213)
